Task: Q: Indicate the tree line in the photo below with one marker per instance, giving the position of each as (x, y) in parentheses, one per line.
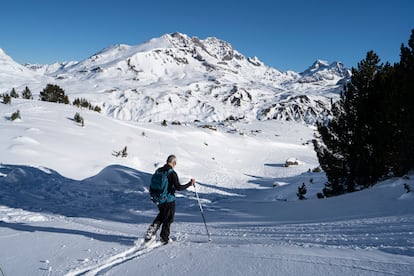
(370, 135)
(51, 93)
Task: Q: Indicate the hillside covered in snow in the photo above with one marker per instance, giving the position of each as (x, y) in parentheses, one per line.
(180, 78)
(70, 206)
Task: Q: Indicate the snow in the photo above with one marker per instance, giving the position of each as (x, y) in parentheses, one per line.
(169, 76)
(68, 206)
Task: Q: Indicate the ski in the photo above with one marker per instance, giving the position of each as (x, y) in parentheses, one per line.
(141, 248)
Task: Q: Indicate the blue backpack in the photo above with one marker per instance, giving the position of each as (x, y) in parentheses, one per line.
(159, 187)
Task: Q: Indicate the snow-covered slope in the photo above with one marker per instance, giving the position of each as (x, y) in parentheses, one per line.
(180, 78)
(70, 207)
(13, 74)
(49, 69)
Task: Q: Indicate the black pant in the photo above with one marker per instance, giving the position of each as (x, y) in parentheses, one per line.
(165, 218)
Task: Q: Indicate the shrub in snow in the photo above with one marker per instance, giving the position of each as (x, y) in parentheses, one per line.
(301, 192)
(54, 93)
(164, 123)
(97, 109)
(79, 119)
(81, 102)
(27, 94)
(15, 115)
(124, 152)
(6, 98)
(320, 195)
(209, 127)
(317, 169)
(121, 153)
(14, 94)
(407, 187)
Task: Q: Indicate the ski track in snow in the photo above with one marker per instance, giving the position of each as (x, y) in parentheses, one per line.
(125, 256)
(386, 234)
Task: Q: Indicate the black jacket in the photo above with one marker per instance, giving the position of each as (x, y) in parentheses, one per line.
(173, 182)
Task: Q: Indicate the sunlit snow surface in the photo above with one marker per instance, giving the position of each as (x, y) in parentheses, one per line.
(68, 206)
(182, 78)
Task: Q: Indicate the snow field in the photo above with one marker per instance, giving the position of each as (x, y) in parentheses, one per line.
(67, 204)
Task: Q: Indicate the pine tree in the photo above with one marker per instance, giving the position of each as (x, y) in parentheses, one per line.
(344, 148)
(81, 102)
(405, 122)
(15, 115)
(371, 132)
(14, 94)
(79, 119)
(124, 152)
(27, 94)
(97, 109)
(6, 98)
(331, 150)
(382, 124)
(301, 192)
(407, 188)
(362, 160)
(54, 93)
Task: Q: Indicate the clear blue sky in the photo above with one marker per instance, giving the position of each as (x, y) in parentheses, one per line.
(288, 35)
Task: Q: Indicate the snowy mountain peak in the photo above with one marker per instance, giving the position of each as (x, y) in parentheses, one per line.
(178, 40)
(183, 78)
(4, 56)
(13, 74)
(219, 49)
(318, 65)
(322, 71)
(2, 53)
(214, 47)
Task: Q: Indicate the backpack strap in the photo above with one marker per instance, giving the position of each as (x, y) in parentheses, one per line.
(170, 197)
(167, 174)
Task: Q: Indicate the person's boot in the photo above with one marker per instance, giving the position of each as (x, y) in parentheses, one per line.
(151, 232)
(164, 241)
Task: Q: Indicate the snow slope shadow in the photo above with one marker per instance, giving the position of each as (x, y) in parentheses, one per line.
(116, 193)
(280, 165)
(101, 237)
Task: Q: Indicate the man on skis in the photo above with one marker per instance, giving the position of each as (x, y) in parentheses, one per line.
(166, 206)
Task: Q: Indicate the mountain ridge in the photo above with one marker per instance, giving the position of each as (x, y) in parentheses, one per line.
(183, 78)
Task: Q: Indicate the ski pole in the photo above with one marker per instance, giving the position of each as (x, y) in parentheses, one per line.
(202, 213)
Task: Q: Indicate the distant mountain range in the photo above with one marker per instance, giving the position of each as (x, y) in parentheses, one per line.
(180, 78)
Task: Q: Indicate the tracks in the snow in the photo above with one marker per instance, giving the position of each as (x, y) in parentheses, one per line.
(104, 265)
